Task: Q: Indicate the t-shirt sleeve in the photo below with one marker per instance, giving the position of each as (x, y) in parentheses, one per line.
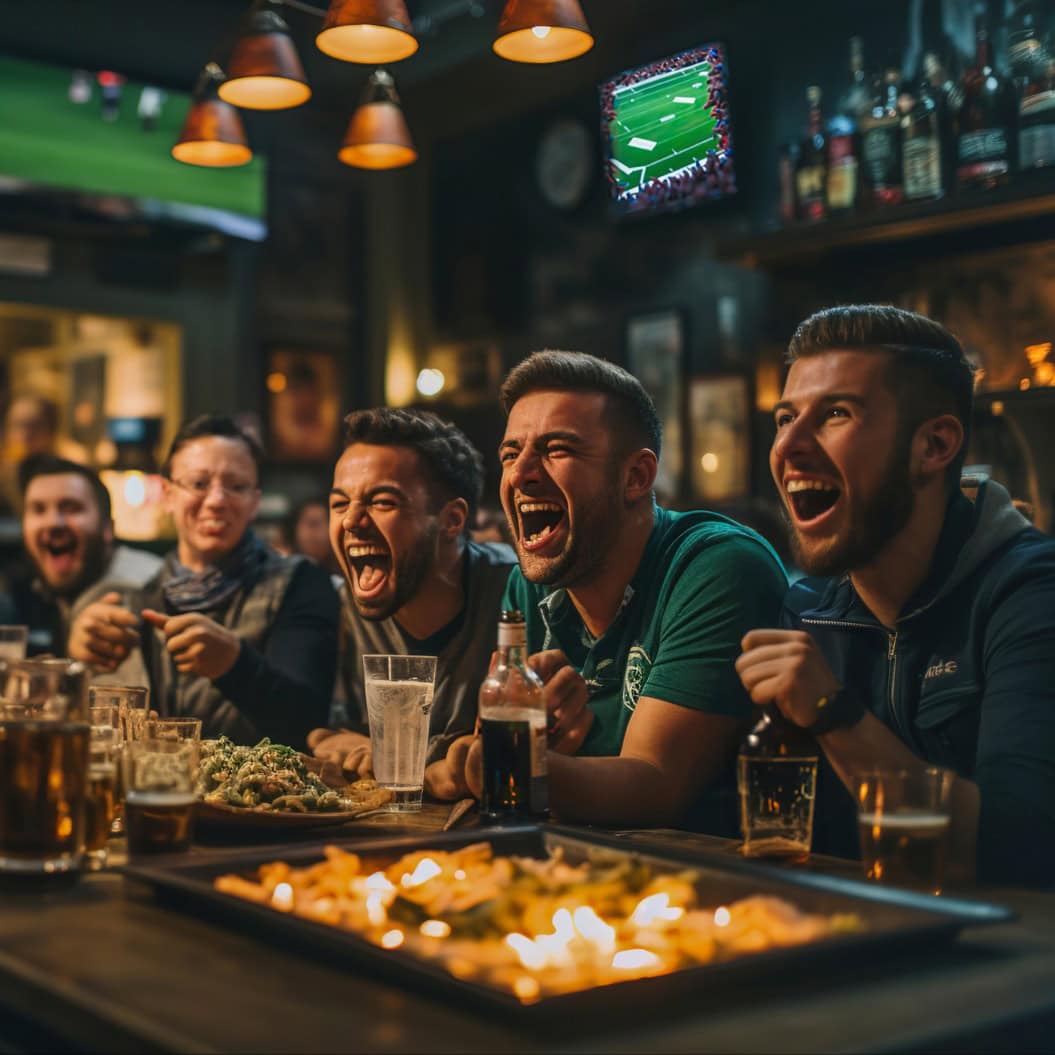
(721, 592)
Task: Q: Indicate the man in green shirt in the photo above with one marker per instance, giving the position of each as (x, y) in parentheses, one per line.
(648, 604)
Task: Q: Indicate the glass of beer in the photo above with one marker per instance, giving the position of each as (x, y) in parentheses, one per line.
(903, 824)
(43, 767)
(13, 642)
(161, 779)
(398, 704)
(101, 797)
(131, 704)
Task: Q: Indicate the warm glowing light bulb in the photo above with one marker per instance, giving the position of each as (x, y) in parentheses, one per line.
(435, 928)
(135, 490)
(709, 462)
(392, 939)
(722, 917)
(431, 382)
(541, 31)
(276, 382)
(282, 898)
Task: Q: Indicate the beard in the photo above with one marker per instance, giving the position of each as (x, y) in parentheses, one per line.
(409, 573)
(873, 523)
(588, 548)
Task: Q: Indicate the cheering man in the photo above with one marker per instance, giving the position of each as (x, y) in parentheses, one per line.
(929, 638)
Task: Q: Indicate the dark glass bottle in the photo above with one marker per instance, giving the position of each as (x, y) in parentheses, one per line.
(811, 177)
(987, 123)
(787, 164)
(777, 776)
(948, 98)
(1036, 122)
(881, 142)
(513, 729)
(843, 137)
(922, 147)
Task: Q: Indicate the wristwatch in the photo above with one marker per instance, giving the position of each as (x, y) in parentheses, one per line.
(841, 711)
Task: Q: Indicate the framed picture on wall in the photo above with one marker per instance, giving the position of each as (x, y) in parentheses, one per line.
(655, 355)
(303, 405)
(720, 432)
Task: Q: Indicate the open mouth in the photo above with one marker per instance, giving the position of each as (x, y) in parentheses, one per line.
(811, 500)
(542, 525)
(60, 551)
(371, 565)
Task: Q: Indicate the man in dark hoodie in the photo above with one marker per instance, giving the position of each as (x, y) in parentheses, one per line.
(930, 639)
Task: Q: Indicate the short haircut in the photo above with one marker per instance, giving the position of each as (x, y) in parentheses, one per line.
(50, 465)
(211, 425)
(928, 371)
(454, 468)
(292, 518)
(629, 408)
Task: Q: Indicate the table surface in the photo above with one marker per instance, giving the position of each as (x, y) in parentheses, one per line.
(102, 966)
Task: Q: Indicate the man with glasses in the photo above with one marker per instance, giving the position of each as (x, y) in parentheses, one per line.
(234, 634)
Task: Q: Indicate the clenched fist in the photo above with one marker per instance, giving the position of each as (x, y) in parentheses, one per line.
(104, 633)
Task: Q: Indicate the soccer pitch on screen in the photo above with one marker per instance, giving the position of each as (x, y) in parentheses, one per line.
(662, 126)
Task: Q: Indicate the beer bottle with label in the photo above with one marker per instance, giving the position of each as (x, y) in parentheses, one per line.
(513, 729)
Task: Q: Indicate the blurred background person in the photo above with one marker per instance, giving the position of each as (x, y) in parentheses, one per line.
(70, 557)
(307, 531)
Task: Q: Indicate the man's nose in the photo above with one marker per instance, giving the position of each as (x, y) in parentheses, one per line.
(524, 470)
(356, 517)
(796, 437)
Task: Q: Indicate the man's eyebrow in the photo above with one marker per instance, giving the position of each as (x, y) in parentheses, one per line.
(831, 397)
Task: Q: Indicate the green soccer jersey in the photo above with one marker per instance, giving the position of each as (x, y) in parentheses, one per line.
(702, 583)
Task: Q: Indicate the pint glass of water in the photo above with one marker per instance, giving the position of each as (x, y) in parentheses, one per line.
(398, 703)
(903, 824)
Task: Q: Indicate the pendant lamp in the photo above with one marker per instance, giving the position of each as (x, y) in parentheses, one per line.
(378, 136)
(542, 31)
(374, 32)
(213, 134)
(264, 71)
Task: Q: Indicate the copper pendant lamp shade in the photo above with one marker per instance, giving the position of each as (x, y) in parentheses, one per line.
(213, 134)
(368, 31)
(378, 136)
(542, 31)
(264, 71)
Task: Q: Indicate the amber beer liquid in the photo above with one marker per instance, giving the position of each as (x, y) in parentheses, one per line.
(158, 822)
(99, 806)
(905, 848)
(513, 730)
(43, 770)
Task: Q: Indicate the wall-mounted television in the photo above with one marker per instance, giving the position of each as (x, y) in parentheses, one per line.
(666, 133)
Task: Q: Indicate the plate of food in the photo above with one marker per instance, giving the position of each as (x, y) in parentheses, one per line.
(274, 786)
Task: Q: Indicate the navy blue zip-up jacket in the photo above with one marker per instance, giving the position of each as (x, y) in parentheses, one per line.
(966, 679)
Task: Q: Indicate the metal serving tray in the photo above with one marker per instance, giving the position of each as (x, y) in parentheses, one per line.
(896, 920)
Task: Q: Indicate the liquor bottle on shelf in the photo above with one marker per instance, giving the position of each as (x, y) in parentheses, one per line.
(1036, 123)
(787, 164)
(881, 142)
(948, 99)
(811, 176)
(1025, 53)
(987, 123)
(843, 138)
(923, 146)
(513, 730)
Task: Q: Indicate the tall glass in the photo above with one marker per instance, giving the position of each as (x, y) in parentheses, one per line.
(101, 796)
(43, 767)
(398, 703)
(161, 781)
(185, 729)
(13, 642)
(131, 703)
(903, 820)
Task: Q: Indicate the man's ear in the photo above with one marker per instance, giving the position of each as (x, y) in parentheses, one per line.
(640, 475)
(937, 444)
(454, 517)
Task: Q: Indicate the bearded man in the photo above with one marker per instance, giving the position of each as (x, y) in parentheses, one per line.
(72, 559)
(648, 605)
(405, 492)
(929, 637)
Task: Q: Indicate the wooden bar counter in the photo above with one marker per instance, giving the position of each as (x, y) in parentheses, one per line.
(102, 967)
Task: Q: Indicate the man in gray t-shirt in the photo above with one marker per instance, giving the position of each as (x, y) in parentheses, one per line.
(404, 493)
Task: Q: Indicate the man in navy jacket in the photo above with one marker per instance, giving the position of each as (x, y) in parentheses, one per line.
(928, 637)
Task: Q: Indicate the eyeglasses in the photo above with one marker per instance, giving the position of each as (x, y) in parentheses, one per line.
(200, 486)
